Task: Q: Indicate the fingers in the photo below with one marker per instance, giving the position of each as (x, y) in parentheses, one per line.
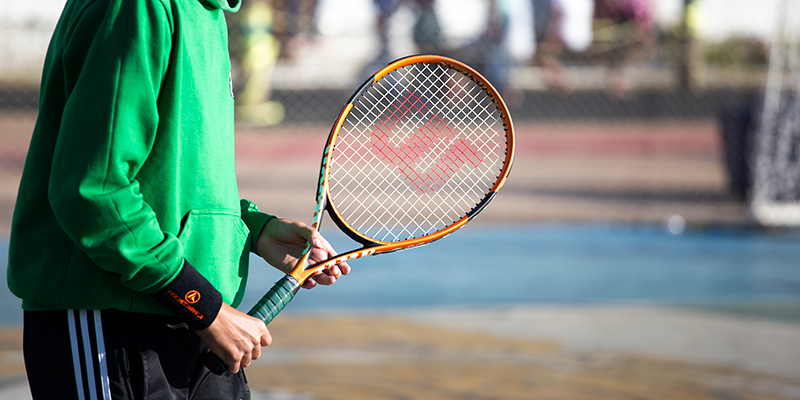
(326, 251)
(309, 284)
(255, 354)
(235, 337)
(247, 357)
(245, 362)
(292, 241)
(327, 276)
(233, 367)
(322, 250)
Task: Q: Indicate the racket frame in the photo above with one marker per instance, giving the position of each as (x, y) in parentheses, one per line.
(303, 271)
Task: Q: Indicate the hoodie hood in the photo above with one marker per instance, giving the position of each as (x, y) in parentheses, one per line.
(226, 5)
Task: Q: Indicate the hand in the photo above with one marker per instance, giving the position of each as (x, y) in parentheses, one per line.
(281, 243)
(235, 337)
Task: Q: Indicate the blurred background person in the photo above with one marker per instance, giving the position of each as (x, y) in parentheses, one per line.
(427, 32)
(560, 25)
(504, 41)
(629, 27)
(488, 53)
(257, 49)
(295, 25)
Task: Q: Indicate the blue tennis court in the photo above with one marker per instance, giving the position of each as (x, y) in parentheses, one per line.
(489, 265)
(565, 264)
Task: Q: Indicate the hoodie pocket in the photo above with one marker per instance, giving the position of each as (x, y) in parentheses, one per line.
(215, 242)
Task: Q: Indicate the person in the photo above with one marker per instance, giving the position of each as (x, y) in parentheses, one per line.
(426, 31)
(294, 25)
(633, 20)
(129, 243)
(253, 36)
(560, 25)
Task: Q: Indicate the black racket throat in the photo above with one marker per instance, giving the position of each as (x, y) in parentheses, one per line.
(347, 230)
(365, 244)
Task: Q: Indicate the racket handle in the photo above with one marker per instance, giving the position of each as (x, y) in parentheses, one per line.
(276, 299)
(266, 310)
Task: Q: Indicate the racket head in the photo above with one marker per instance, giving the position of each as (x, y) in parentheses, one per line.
(419, 150)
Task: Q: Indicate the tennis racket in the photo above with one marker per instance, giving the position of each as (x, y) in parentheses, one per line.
(417, 152)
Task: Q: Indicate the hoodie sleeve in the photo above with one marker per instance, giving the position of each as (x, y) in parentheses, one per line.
(255, 221)
(114, 59)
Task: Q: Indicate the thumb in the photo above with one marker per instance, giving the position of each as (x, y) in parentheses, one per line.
(311, 235)
(304, 231)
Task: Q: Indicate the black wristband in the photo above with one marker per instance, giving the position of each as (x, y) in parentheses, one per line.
(191, 297)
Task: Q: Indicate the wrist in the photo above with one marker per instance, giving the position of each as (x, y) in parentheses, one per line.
(191, 297)
(263, 237)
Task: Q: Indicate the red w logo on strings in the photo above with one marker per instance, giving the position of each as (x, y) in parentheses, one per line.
(411, 155)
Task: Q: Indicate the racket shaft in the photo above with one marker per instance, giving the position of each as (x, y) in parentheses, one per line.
(266, 310)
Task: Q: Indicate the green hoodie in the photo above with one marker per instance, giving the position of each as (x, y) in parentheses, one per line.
(130, 171)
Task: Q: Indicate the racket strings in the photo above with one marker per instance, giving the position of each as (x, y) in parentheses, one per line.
(417, 152)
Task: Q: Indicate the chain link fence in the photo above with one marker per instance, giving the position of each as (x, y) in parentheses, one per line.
(625, 110)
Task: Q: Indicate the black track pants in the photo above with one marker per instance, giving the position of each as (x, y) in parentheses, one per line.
(103, 355)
